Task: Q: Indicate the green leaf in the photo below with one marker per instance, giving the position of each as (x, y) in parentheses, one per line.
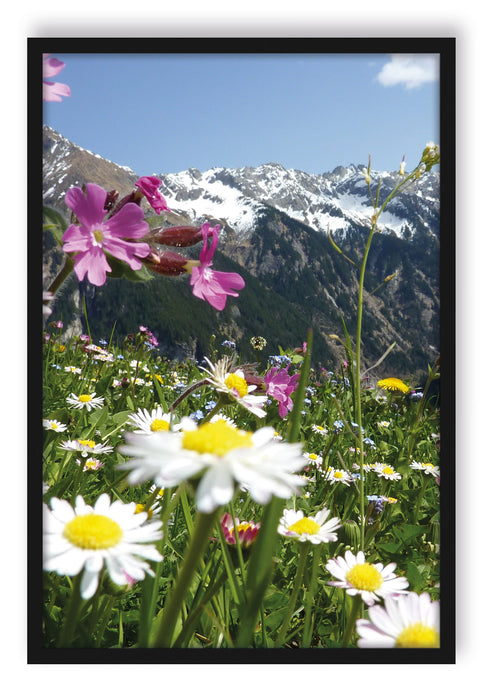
(121, 269)
(120, 418)
(416, 578)
(102, 385)
(408, 533)
(55, 223)
(390, 547)
(98, 417)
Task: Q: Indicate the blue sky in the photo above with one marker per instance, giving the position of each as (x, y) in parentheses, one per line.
(168, 112)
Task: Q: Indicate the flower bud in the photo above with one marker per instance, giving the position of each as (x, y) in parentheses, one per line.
(178, 236)
(366, 176)
(402, 168)
(169, 264)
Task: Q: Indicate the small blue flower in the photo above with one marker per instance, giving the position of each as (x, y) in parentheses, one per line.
(197, 415)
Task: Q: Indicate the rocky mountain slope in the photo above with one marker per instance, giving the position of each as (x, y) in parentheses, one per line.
(274, 232)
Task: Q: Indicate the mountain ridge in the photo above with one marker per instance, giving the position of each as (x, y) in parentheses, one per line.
(291, 257)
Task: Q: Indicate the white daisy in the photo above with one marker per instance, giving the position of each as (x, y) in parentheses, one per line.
(73, 370)
(383, 423)
(139, 365)
(313, 458)
(359, 577)
(314, 529)
(149, 423)
(87, 401)
(92, 464)
(386, 471)
(221, 456)
(86, 447)
(426, 467)
(55, 425)
(408, 621)
(110, 535)
(233, 383)
(337, 476)
(319, 429)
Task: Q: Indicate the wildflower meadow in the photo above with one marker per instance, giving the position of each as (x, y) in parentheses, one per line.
(239, 501)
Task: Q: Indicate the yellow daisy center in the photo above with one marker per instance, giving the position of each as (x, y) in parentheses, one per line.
(305, 526)
(98, 235)
(388, 470)
(364, 577)
(238, 383)
(338, 475)
(159, 424)
(418, 635)
(87, 443)
(93, 531)
(216, 438)
(84, 398)
(242, 527)
(313, 456)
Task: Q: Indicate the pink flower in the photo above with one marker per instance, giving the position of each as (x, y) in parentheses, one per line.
(53, 92)
(280, 385)
(207, 283)
(246, 531)
(149, 186)
(94, 237)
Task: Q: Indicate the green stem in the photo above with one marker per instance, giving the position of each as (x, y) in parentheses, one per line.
(308, 604)
(351, 620)
(216, 408)
(175, 600)
(419, 500)
(303, 553)
(358, 381)
(358, 348)
(71, 617)
(62, 275)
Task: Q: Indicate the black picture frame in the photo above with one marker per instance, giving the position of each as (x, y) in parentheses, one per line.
(445, 47)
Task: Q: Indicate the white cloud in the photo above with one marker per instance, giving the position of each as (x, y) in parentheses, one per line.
(410, 70)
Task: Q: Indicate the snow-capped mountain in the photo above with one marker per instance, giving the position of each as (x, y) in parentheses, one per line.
(273, 231)
(337, 201)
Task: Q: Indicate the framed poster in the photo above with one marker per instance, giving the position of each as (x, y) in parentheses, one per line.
(247, 275)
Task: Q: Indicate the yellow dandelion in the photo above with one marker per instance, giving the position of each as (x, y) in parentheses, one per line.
(393, 384)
